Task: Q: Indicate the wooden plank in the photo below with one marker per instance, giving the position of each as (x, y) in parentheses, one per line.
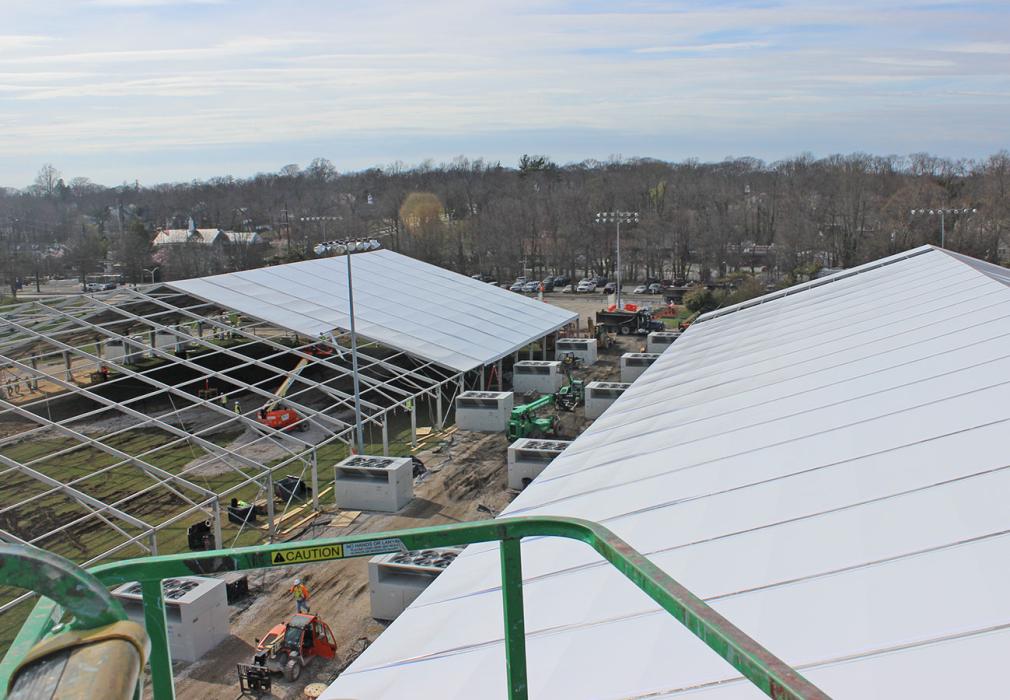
(299, 523)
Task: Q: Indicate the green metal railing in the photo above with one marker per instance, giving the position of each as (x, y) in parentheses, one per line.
(91, 606)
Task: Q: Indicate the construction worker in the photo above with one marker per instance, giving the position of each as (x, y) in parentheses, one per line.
(224, 400)
(301, 594)
(238, 409)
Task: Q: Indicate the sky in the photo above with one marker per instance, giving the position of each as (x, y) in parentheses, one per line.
(178, 90)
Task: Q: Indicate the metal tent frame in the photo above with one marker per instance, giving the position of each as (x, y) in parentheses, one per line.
(112, 435)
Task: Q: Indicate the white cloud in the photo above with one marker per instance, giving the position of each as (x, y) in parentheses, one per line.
(21, 41)
(251, 45)
(983, 47)
(120, 80)
(685, 48)
(908, 62)
(151, 3)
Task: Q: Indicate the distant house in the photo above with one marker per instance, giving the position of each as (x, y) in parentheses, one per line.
(206, 236)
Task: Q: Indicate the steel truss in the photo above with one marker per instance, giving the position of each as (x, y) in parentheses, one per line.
(125, 381)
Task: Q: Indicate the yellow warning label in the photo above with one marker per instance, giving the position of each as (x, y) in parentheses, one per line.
(306, 554)
(301, 555)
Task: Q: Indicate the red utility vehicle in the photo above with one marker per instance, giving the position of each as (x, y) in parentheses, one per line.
(289, 646)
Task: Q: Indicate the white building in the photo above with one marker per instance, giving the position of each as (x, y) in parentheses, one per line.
(834, 483)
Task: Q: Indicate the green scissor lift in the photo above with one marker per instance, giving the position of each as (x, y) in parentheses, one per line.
(53, 651)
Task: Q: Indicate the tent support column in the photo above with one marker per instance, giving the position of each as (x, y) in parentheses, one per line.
(315, 481)
(498, 367)
(272, 530)
(385, 435)
(218, 535)
(413, 424)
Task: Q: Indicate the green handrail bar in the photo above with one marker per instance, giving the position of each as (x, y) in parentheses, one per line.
(767, 672)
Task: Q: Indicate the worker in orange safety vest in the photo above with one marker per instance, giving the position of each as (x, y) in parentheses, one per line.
(301, 594)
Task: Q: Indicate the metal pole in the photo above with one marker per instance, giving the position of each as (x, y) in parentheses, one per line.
(154, 621)
(413, 423)
(218, 536)
(385, 435)
(515, 622)
(359, 428)
(315, 480)
(943, 233)
(619, 307)
(272, 531)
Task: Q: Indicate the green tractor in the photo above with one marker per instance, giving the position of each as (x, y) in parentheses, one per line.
(574, 392)
(525, 423)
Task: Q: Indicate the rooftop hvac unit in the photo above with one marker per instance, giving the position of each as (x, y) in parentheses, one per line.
(527, 457)
(633, 364)
(115, 350)
(196, 610)
(537, 376)
(167, 340)
(486, 411)
(136, 350)
(374, 483)
(584, 349)
(599, 396)
(658, 341)
(395, 580)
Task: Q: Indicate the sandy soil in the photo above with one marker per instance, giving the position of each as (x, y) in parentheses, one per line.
(468, 471)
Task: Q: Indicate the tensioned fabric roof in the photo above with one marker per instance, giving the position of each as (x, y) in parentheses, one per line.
(400, 302)
(826, 466)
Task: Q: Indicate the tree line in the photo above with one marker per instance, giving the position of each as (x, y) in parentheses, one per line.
(780, 220)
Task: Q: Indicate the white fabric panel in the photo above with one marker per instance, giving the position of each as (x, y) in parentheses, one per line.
(827, 468)
(399, 302)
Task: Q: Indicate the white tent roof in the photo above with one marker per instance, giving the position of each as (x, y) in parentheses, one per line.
(400, 302)
(828, 468)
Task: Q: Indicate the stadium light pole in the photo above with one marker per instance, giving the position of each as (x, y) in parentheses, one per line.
(323, 220)
(942, 212)
(617, 217)
(348, 248)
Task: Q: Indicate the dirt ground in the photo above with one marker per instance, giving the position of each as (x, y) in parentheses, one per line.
(466, 471)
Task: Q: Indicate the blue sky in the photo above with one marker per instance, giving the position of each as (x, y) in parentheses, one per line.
(175, 90)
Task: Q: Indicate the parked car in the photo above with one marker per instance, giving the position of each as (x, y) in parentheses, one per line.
(610, 288)
(600, 280)
(655, 288)
(562, 280)
(517, 286)
(548, 284)
(641, 289)
(521, 279)
(531, 287)
(567, 289)
(586, 286)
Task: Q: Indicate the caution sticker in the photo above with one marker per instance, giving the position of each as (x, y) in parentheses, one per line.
(302, 555)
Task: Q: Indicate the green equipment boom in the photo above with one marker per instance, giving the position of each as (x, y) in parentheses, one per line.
(524, 422)
(83, 594)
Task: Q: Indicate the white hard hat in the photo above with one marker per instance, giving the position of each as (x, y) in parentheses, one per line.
(297, 581)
